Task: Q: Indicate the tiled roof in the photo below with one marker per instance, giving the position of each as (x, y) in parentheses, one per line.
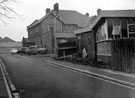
(67, 16)
(72, 17)
(87, 24)
(65, 35)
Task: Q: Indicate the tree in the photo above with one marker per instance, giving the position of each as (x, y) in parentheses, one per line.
(6, 10)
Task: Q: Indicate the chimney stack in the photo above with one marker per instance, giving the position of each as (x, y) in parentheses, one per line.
(87, 14)
(56, 7)
(98, 11)
(47, 10)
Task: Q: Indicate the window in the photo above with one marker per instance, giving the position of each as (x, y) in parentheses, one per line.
(124, 27)
(50, 27)
(116, 32)
(131, 27)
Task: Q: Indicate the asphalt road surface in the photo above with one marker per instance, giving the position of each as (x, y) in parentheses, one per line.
(37, 79)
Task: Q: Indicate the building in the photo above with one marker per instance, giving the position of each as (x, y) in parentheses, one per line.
(55, 22)
(85, 38)
(114, 32)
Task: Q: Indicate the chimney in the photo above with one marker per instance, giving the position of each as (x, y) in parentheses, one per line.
(87, 14)
(56, 7)
(47, 10)
(98, 11)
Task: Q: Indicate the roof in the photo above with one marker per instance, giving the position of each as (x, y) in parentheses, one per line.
(65, 35)
(114, 13)
(67, 16)
(72, 17)
(87, 24)
(109, 13)
(6, 39)
(26, 40)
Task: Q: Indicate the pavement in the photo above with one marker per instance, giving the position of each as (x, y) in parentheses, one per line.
(107, 74)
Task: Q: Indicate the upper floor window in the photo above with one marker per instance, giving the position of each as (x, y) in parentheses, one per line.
(50, 27)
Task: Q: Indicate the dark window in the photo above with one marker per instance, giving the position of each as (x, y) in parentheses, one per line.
(131, 20)
(132, 28)
(124, 27)
(110, 27)
(50, 27)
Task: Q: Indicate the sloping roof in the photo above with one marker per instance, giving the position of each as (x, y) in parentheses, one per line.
(67, 16)
(87, 24)
(109, 13)
(72, 17)
(33, 23)
(65, 35)
(6, 39)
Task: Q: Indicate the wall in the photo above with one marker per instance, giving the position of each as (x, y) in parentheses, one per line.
(47, 34)
(69, 28)
(36, 39)
(34, 31)
(48, 41)
(86, 40)
(50, 20)
(104, 51)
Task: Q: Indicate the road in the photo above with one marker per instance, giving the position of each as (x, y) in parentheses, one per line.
(37, 79)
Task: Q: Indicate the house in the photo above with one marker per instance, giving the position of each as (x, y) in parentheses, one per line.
(114, 32)
(55, 24)
(85, 38)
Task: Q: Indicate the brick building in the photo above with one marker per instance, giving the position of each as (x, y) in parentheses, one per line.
(85, 38)
(55, 22)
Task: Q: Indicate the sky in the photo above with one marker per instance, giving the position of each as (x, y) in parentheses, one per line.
(30, 10)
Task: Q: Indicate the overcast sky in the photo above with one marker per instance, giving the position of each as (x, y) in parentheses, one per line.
(29, 10)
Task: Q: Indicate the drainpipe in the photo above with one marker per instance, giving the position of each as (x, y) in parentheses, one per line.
(40, 35)
(55, 43)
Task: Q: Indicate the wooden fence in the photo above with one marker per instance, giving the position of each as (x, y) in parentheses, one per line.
(123, 55)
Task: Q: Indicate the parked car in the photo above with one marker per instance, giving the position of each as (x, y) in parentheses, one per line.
(22, 50)
(33, 50)
(42, 49)
(14, 51)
